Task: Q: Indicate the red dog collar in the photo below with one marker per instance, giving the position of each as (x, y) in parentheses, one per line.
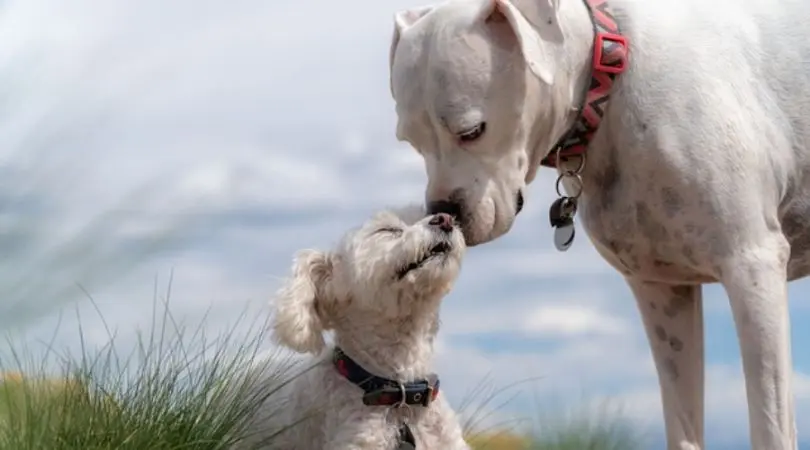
(610, 52)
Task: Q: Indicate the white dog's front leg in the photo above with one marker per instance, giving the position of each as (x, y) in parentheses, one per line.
(755, 281)
(673, 319)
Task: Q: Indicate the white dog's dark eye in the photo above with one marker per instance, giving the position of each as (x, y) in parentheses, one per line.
(473, 133)
(390, 230)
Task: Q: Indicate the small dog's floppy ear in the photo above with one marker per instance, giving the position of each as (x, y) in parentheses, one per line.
(302, 301)
(402, 21)
(538, 31)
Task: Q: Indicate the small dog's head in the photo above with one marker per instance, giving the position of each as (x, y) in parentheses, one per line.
(390, 266)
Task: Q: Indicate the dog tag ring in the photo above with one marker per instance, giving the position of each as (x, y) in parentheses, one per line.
(406, 438)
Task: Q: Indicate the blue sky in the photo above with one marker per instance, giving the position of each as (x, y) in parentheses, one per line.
(215, 138)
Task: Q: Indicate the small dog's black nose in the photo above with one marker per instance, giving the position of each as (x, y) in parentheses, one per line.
(444, 206)
(443, 221)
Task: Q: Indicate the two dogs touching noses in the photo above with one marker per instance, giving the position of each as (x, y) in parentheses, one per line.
(693, 176)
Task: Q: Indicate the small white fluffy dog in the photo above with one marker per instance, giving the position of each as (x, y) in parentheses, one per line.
(379, 292)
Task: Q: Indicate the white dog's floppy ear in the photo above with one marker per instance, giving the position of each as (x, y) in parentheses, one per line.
(402, 21)
(543, 15)
(302, 301)
(538, 31)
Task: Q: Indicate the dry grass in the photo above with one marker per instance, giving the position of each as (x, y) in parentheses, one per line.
(499, 441)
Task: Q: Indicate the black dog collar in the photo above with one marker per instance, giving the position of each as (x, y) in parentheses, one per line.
(382, 391)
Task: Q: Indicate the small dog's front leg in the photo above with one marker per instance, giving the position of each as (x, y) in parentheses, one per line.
(360, 441)
(360, 430)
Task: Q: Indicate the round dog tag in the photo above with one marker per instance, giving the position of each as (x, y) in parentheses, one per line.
(564, 236)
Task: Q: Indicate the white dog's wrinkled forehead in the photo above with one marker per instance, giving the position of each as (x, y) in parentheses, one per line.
(428, 53)
(445, 69)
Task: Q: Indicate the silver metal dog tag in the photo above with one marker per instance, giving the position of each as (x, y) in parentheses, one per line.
(564, 236)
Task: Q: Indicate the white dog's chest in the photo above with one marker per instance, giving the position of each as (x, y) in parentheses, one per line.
(650, 229)
(635, 242)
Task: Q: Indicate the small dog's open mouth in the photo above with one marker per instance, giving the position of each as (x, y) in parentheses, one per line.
(438, 249)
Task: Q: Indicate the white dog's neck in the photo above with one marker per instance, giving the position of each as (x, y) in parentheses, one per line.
(397, 347)
(577, 28)
(572, 77)
(577, 61)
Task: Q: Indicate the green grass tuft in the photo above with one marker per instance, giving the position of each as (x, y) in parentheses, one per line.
(178, 390)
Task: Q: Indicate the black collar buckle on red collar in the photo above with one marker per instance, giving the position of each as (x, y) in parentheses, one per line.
(382, 391)
(610, 54)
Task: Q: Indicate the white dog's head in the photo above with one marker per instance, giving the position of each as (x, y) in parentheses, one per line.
(481, 93)
(386, 267)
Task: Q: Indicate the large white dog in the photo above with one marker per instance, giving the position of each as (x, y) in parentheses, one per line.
(698, 160)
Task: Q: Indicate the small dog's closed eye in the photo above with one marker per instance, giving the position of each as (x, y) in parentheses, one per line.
(392, 230)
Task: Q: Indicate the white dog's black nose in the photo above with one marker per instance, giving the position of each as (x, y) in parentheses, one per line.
(444, 206)
(442, 221)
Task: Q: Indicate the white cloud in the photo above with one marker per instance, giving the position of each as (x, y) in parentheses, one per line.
(581, 260)
(561, 321)
(558, 312)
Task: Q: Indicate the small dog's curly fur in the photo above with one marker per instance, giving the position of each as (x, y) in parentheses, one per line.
(379, 292)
